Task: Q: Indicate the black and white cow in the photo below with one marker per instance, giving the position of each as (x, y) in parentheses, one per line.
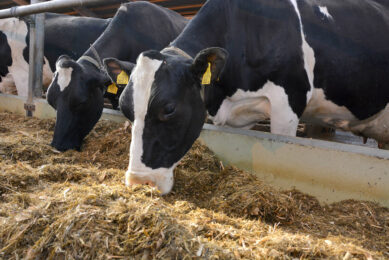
(242, 61)
(64, 34)
(77, 89)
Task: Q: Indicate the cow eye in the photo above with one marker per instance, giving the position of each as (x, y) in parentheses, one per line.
(169, 109)
(168, 112)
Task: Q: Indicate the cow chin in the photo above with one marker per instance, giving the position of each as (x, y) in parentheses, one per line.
(63, 143)
(65, 147)
(160, 178)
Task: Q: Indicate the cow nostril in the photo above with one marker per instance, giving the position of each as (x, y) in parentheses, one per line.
(148, 183)
(135, 180)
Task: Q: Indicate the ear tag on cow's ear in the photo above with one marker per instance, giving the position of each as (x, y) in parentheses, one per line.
(113, 89)
(122, 78)
(207, 76)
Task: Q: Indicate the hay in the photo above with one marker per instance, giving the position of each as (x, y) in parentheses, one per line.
(75, 206)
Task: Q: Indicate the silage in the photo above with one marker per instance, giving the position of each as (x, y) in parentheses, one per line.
(75, 206)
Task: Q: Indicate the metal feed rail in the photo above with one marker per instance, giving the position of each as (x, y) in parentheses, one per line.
(327, 170)
(50, 6)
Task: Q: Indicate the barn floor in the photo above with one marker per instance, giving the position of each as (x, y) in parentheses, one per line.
(75, 206)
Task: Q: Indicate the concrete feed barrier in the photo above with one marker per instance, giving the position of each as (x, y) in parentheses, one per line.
(43, 110)
(327, 170)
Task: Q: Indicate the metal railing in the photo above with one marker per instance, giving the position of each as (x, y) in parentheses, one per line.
(50, 6)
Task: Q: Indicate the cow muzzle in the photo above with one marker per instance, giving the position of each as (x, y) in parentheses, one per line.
(162, 181)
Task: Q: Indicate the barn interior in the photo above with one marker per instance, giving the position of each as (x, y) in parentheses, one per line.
(75, 205)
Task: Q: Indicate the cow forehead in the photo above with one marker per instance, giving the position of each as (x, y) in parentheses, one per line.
(173, 73)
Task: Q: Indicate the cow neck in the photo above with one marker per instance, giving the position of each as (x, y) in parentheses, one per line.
(106, 46)
(207, 29)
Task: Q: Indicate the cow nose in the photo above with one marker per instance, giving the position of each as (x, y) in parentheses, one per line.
(136, 180)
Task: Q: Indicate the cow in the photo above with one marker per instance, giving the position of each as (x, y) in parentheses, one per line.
(64, 34)
(242, 61)
(78, 87)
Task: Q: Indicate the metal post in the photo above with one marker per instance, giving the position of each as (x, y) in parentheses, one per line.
(39, 51)
(29, 106)
(37, 25)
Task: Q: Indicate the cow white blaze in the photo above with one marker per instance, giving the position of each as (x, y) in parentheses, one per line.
(64, 77)
(308, 53)
(142, 79)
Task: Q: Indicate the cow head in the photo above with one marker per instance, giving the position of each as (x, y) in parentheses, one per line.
(76, 92)
(118, 72)
(164, 102)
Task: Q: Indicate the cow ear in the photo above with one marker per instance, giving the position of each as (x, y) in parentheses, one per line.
(208, 64)
(65, 61)
(115, 67)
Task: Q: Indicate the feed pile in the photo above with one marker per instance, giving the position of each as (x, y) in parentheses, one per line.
(74, 205)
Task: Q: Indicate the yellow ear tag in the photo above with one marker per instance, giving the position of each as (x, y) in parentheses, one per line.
(207, 76)
(122, 78)
(113, 89)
